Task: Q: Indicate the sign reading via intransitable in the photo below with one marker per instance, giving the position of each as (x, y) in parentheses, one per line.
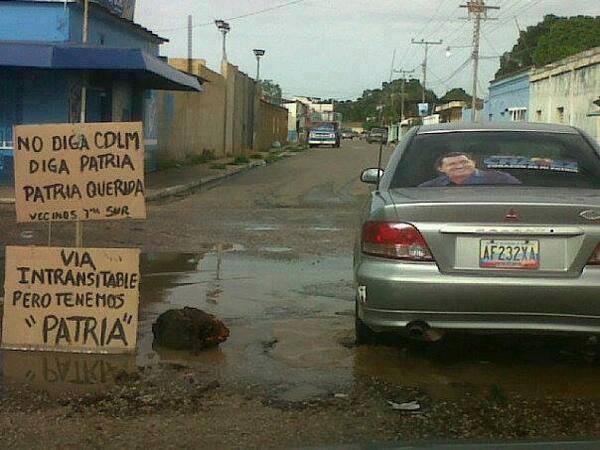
(71, 299)
(79, 171)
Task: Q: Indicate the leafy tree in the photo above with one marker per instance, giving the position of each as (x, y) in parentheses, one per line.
(566, 38)
(456, 95)
(270, 91)
(366, 108)
(550, 40)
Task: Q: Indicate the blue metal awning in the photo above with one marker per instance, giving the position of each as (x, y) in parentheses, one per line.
(151, 72)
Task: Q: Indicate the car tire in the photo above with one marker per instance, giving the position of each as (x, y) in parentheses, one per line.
(364, 335)
(312, 145)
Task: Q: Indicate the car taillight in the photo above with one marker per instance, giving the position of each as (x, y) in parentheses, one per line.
(394, 240)
(595, 258)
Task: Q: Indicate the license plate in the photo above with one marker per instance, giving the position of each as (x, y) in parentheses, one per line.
(504, 254)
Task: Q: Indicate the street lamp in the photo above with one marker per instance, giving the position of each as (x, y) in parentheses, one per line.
(223, 28)
(259, 53)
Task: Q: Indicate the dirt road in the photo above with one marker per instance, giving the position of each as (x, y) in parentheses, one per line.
(270, 252)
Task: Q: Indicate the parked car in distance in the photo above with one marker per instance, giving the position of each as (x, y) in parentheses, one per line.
(324, 133)
(377, 135)
(491, 227)
(348, 134)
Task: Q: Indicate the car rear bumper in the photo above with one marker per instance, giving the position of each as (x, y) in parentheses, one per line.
(400, 293)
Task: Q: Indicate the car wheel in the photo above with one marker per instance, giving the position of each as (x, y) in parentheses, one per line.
(312, 145)
(364, 335)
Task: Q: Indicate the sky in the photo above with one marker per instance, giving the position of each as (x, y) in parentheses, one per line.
(338, 48)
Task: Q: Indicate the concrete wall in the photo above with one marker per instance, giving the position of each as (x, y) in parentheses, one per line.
(272, 125)
(110, 31)
(53, 22)
(565, 91)
(49, 23)
(191, 123)
(508, 94)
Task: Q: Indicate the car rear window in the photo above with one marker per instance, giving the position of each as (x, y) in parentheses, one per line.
(504, 158)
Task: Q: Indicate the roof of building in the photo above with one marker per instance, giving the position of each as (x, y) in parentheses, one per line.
(497, 126)
(149, 71)
(99, 7)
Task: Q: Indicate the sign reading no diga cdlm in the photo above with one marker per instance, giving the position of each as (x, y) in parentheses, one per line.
(87, 171)
(71, 299)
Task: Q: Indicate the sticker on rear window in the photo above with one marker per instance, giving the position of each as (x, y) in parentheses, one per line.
(536, 163)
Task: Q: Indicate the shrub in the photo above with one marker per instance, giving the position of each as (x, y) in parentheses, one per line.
(242, 159)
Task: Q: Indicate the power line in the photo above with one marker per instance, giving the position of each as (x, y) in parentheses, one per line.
(243, 16)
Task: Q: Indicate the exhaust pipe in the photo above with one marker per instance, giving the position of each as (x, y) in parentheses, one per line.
(421, 331)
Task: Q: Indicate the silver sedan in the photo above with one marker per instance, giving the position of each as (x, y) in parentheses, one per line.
(482, 227)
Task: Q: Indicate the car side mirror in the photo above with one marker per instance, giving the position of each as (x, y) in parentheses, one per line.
(371, 176)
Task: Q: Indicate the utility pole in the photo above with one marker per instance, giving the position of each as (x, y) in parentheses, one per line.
(424, 65)
(82, 112)
(403, 74)
(190, 43)
(390, 86)
(477, 12)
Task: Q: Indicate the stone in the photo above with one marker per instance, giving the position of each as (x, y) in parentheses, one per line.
(188, 329)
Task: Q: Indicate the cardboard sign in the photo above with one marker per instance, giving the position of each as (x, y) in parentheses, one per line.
(87, 171)
(71, 299)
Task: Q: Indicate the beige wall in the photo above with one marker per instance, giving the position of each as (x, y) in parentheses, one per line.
(564, 92)
(272, 125)
(192, 123)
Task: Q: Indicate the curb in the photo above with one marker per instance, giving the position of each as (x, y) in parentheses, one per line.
(181, 189)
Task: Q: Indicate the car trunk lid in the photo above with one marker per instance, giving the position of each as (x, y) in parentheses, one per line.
(465, 227)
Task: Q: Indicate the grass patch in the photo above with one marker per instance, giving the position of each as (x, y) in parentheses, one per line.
(272, 158)
(239, 160)
(256, 156)
(218, 166)
(202, 158)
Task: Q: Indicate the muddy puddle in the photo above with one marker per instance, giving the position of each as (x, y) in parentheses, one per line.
(291, 322)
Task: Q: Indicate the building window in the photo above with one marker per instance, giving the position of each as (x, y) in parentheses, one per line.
(517, 114)
(538, 115)
(560, 114)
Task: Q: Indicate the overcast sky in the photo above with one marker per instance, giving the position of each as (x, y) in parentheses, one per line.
(338, 48)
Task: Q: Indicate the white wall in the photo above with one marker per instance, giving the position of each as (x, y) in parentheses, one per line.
(564, 92)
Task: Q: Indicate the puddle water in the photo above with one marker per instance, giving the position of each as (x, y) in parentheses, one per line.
(262, 228)
(275, 249)
(289, 320)
(325, 228)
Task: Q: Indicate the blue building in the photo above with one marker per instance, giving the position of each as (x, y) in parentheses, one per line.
(43, 65)
(509, 99)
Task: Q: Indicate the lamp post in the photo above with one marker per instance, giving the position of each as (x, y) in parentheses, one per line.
(224, 28)
(259, 53)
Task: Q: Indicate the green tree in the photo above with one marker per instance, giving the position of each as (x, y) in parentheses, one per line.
(365, 108)
(456, 95)
(550, 40)
(271, 91)
(566, 38)
(521, 55)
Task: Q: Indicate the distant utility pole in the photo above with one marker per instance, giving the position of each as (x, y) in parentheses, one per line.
(190, 38)
(477, 12)
(403, 74)
(424, 65)
(390, 85)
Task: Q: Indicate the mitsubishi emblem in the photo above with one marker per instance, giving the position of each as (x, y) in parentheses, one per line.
(512, 215)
